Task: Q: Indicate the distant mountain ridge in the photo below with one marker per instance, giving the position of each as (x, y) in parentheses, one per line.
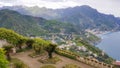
(29, 25)
(89, 18)
(83, 17)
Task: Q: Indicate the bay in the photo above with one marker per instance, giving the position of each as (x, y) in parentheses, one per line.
(110, 44)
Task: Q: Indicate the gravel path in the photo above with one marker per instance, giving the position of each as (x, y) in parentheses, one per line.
(33, 63)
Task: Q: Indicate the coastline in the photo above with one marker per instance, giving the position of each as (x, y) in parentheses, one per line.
(111, 36)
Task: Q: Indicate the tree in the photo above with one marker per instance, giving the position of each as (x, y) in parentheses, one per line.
(21, 43)
(8, 50)
(3, 60)
(38, 48)
(50, 49)
(29, 43)
(39, 45)
(10, 36)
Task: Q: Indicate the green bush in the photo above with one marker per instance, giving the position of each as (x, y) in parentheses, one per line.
(66, 53)
(3, 60)
(71, 66)
(39, 45)
(53, 60)
(10, 36)
(18, 63)
(48, 66)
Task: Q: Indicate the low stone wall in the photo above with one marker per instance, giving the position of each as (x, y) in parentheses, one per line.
(90, 61)
(3, 42)
(94, 62)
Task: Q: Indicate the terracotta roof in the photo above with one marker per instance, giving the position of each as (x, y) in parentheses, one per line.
(117, 63)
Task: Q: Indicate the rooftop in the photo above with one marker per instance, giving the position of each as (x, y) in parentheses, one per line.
(117, 63)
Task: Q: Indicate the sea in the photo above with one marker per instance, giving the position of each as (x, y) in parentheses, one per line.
(110, 44)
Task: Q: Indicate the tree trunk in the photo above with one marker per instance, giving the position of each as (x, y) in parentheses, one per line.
(8, 56)
(29, 46)
(20, 47)
(50, 55)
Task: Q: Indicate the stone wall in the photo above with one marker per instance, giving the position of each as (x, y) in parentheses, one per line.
(3, 42)
(90, 61)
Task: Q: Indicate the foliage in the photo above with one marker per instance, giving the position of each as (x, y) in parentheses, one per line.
(36, 26)
(21, 43)
(53, 60)
(23, 24)
(34, 55)
(66, 53)
(8, 49)
(29, 43)
(28, 25)
(3, 60)
(91, 47)
(39, 45)
(50, 49)
(18, 63)
(10, 36)
(71, 66)
(92, 38)
(48, 66)
(84, 17)
(97, 51)
(38, 48)
(109, 60)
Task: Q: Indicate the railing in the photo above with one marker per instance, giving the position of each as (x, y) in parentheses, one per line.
(90, 61)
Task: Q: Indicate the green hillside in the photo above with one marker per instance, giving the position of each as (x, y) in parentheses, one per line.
(83, 17)
(28, 25)
(18, 40)
(20, 23)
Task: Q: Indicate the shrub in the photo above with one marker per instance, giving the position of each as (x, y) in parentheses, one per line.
(3, 60)
(10, 36)
(48, 66)
(39, 45)
(18, 63)
(53, 60)
(66, 53)
(71, 66)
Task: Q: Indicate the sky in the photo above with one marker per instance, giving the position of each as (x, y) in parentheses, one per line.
(103, 6)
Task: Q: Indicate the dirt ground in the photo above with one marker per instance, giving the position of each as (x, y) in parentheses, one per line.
(33, 62)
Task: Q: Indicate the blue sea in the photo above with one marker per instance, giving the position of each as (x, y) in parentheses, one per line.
(111, 44)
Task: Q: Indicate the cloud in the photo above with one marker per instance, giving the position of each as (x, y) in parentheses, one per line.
(5, 4)
(54, 0)
(104, 6)
(8, 1)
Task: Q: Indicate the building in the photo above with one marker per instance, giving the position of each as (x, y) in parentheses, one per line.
(117, 64)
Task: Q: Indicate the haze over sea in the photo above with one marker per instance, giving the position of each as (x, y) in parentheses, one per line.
(111, 44)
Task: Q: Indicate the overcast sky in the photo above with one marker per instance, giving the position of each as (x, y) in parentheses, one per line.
(104, 6)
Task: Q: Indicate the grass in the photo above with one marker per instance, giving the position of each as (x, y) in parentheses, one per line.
(79, 44)
(48, 66)
(34, 55)
(16, 63)
(66, 53)
(53, 60)
(71, 66)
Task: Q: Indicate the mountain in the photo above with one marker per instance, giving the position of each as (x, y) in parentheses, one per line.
(37, 26)
(20, 23)
(33, 11)
(83, 17)
(28, 25)
(89, 18)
